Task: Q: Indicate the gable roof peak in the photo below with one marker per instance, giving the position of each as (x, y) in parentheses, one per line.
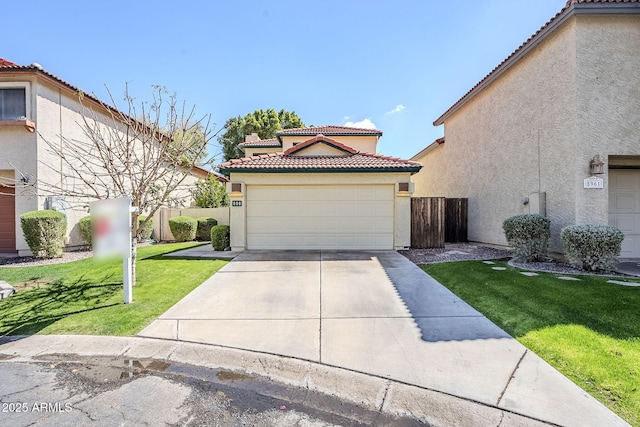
(320, 138)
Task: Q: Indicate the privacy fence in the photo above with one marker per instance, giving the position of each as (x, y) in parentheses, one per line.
(436, 220)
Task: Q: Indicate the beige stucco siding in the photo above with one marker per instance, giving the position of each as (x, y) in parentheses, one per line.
(514, 138)
(608, 100)
(248, 152)
(363, 143)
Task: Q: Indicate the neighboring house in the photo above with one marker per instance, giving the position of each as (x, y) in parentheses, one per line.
(523, 140)
(35, 107)
(319, 188)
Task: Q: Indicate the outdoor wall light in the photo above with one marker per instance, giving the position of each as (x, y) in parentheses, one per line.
(596, 166)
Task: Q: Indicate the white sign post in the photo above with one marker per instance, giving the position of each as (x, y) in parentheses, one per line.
(111, 220)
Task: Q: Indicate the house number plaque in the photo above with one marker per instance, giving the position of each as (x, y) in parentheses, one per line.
(236, 203)
(593, 182)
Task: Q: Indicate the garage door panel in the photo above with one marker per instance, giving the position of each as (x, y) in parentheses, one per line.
(320, 217)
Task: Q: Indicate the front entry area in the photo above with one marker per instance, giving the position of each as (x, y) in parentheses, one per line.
(348, 217)
(624, 208)
(7, 220)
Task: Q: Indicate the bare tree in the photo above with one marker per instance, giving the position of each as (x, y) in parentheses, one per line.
(146, 151)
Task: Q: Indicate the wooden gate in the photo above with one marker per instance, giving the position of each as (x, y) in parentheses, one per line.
(455, 220)
(436, 220)
(427, 222)
(7, 219)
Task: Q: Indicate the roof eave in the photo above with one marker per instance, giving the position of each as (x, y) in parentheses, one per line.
(552, 25)
(411, 169)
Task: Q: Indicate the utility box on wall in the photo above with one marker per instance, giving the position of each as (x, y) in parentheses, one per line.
(538, 203)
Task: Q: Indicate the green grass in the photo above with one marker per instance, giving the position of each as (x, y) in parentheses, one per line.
(589, 329)
(86, 296)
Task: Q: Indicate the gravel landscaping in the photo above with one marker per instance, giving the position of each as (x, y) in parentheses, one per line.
(455, 252)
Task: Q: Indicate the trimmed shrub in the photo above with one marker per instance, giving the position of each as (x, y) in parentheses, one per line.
(592, 247)
(528, 235)
(183, 228)
(145, 232)
(220, 237)
(203, 233)
(44, 232)
(86, 230)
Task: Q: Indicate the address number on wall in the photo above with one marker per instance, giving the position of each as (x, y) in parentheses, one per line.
(236, 203)
(593, 182)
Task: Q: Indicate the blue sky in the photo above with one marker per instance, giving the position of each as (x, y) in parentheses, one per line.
(397, 64)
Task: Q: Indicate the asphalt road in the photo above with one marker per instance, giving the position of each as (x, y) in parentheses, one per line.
(97, 391)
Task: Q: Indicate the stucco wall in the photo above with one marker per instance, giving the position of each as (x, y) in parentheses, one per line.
(402, 208)
(18, 148)
(608, 99)
(248, 152)
(515, 138)
(364, 143)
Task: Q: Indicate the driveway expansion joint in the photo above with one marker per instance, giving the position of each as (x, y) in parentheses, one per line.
(511, 377)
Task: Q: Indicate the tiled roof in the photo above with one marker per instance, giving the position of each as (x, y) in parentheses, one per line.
(269, 143)
(282, 163)
(570, 2)
(320, 138)
(530, 43)
(5, 63)
(328, 130)
(10, 67)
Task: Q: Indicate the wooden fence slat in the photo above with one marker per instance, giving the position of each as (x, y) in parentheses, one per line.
(427, 222)
(456, 216)
(436, 220)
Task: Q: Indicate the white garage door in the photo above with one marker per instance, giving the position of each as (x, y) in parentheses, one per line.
(624, 208)
(320, 217)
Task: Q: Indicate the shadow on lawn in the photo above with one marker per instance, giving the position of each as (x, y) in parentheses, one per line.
(32, 310)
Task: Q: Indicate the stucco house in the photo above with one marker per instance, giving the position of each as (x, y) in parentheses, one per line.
(35, 107)
(319, 188)
(531, 136)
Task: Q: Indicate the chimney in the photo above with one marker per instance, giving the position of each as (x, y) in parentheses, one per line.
(252, 138)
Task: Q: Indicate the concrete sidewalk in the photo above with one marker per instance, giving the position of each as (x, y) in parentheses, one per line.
(379, 315)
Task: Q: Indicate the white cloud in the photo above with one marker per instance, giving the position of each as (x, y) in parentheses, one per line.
(398, 108)
(363, 124)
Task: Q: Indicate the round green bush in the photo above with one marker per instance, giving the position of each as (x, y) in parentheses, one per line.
(144, 233)
(203, 233)
(528, 235)
(86, 230)
(183, 228)
(592, 247)
(220, 237)
(44, 232)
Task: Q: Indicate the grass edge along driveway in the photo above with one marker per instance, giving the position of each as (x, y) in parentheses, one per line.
(85, 297)
(587, 329)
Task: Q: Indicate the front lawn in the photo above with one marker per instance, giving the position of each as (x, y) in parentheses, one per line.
(588, 329)
(85, 296)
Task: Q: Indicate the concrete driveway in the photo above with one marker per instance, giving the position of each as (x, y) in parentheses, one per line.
(379, 314)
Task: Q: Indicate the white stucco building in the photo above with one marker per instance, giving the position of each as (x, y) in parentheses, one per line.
(38, 109)
(522, 140)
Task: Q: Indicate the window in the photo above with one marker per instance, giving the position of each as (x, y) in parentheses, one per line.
(13, 103)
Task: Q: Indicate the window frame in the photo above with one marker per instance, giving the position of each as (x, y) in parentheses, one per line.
(27, 97)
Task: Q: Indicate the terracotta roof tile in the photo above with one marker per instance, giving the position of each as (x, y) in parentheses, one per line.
(328, 130)
(359, 162)
(530, 42)
(10, 67)
(320, 138)
(5, 63)
(270, 143)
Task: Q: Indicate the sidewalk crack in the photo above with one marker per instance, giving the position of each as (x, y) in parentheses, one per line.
(513, 374)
